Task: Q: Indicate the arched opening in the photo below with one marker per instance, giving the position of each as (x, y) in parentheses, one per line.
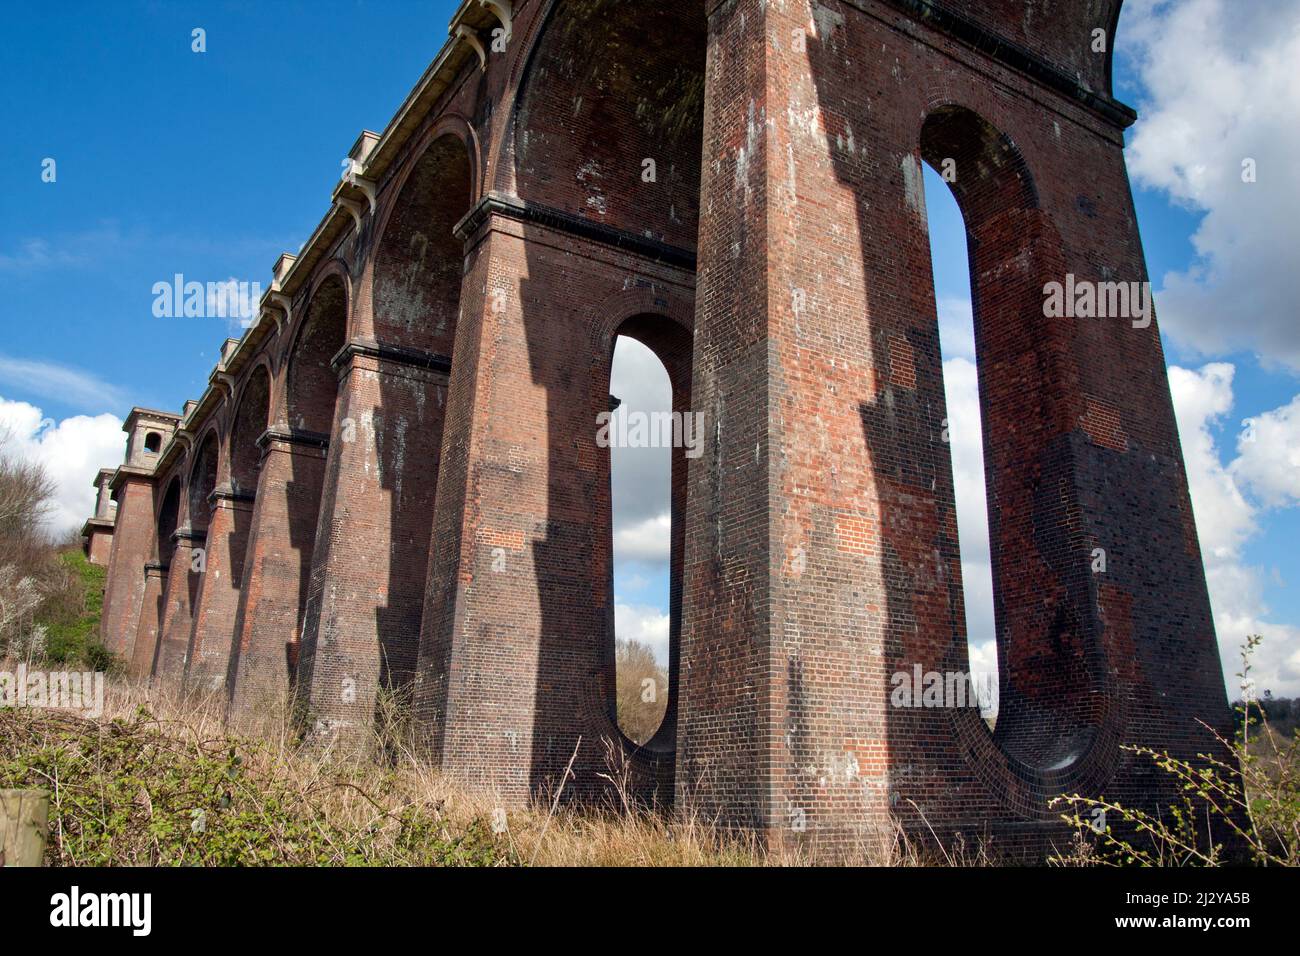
(187, 562)
(1051, 683)
(963, 430)
(419, 268)
(245, 463)
(392, 401)
(604, 152)
(310, 400)
(640, 467)
(168, 519)
(312, 381)
(420, 260)
(650, 434)
(248, 427)
(149, 637)
(216, 615)
(203, 481)
(152, 442)
(611, 124)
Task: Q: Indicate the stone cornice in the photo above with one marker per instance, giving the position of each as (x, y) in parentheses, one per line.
(127, 473)
(229, 494)
(293, 436)
(374, 154)
(512, 207)
(139, 414)
(401, 355)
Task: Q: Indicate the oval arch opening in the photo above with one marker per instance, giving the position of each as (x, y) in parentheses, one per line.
(650, 434)
(1002, 414)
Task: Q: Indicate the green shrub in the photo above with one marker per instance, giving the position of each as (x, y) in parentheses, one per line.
(70, 615)
(1246, 801)
(135, 792)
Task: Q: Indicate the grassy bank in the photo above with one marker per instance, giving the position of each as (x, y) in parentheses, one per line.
(70, 616)
(160, 780)
(156, 781)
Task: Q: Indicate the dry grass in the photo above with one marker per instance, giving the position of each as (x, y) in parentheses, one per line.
(128, 787)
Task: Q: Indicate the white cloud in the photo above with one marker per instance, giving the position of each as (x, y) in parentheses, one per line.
(640, 477)
(641, 481)
(636, 582)
(956, 327)
(646, 540)
(34, 254)
(60, 382)
(984, 670)
(1221, 86)
(1226, 518)
(966, 440)
(1268, 456)
(70, 250)
(645, 624)
(71, 451)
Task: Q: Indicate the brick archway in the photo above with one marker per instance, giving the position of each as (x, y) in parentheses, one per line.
(286, 512)
(769, 157)
(144, 657)
(359, 639)
(1060, 710)
(669, 341)
(212, 645)
(578, 225)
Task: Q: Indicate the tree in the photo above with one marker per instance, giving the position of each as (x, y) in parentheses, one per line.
(26, 493)
(641, 692)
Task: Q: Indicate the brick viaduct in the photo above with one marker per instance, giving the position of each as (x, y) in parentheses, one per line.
(392, 481)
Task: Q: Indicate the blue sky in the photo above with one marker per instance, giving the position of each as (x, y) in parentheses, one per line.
(170, 161)
(211, 164)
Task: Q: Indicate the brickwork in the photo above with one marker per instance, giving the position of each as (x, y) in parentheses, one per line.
(217, 602)
(132, 487)
(98, 529)
(414, 480)
(144, 653)
(849, 437)
(517, 642)
(133, 536)
(274, 595)
(217, 607)
(365, 602)
(152, 607)
(280, 542)
(179, 598)
(189, 558)
(99, 545)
